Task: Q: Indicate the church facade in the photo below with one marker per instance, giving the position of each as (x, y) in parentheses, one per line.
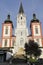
(18, 39)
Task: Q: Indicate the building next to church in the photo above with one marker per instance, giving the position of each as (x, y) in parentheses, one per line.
(18, 39)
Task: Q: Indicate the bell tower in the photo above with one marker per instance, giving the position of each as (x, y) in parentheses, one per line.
(7, 32)
(36, 32)
(21, 30)
(21, 18)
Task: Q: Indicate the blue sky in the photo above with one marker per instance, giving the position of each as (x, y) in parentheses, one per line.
(12, 7)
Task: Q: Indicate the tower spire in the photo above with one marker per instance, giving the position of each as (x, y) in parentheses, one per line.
(21, 8)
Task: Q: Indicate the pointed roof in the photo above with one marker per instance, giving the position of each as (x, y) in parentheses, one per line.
(21, 9)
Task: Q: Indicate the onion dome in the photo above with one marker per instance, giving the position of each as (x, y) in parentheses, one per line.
(8, 20)
(34, 20)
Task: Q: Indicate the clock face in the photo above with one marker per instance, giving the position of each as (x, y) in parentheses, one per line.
(21, 20)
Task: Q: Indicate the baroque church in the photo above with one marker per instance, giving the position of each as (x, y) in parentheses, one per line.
(20, 36)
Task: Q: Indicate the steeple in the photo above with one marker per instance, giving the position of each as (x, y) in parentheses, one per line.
(21, 9)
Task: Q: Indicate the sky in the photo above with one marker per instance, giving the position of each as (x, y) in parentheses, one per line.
(12, 7)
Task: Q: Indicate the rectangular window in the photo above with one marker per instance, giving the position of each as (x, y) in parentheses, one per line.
(36, 30)
(13, 42)
(5, 43)
(37, 40)
(6, 31)
(21, 33)
(21, 41)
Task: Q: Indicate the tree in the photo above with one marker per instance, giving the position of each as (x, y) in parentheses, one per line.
(26, 50)
(32, 49)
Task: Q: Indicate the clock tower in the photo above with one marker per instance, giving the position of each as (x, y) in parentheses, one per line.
(21, 31)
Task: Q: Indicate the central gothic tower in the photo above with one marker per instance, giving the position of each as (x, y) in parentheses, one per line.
(21, 30)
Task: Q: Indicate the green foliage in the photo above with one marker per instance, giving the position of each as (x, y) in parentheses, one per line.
(32, 49)
(32, 60)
